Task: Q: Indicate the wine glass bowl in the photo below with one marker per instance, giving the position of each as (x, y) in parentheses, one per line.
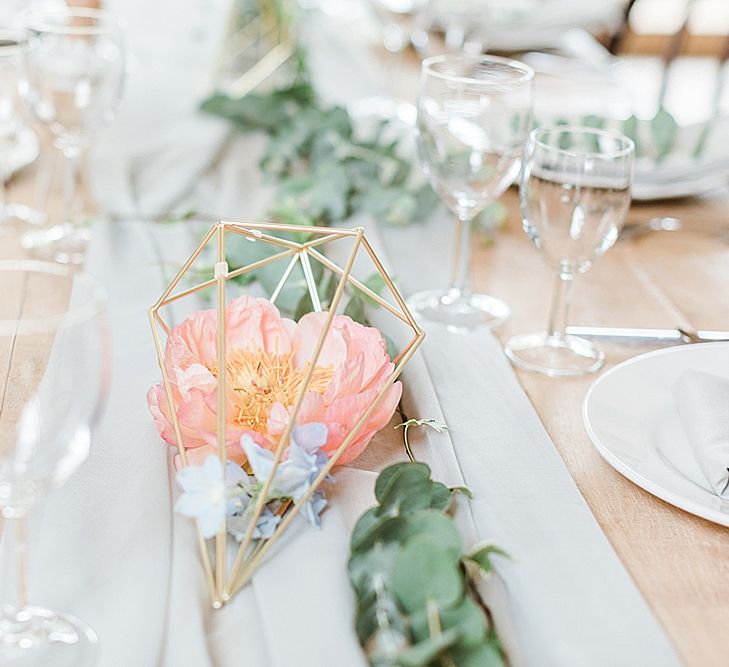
(574, 203)
(18, 143)
(74, 72)
(473, 118)
(575, 195)
(74, 76)
(54, 373)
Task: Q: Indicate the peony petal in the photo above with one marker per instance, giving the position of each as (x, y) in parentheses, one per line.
(195, 376)
(278, 419)
(306, 337)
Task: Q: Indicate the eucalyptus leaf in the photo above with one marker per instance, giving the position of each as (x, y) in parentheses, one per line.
(468, 618)
(481, 556)
(486, 654)
(385, 478)
(424, 652)
(436, 525)
(388, 529)
(630, 130)
(407, 490)
(365, 524)
(355, 309)
(664, 130)
(425, 571)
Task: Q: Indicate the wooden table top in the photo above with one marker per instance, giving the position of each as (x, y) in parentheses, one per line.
(679, 562)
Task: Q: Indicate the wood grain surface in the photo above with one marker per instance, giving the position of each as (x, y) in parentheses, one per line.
(679, 562)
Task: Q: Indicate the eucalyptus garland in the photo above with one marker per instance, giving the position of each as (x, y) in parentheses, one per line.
(324, 171)
(417, 597)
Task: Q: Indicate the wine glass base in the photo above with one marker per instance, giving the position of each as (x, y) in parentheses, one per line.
(37, 636)
(65, 243)
(459, 313)
(557, 357)
(15, 212)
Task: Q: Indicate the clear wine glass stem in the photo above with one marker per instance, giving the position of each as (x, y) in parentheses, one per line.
(560, 307)
(71, 154)
(16, 575)
(461, 272)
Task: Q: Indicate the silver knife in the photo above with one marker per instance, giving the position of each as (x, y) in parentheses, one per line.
(676, 336)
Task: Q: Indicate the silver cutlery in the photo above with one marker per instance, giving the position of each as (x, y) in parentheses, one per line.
(639, 335)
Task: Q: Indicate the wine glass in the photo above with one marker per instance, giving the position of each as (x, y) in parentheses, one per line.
(74, 74)
(18, 143)
(575, 194)
(54, 370)
(473, 118)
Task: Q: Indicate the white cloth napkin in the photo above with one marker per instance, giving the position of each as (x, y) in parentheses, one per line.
(702, 400)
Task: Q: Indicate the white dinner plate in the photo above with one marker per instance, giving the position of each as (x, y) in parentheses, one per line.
(631, 419)
(518, 25)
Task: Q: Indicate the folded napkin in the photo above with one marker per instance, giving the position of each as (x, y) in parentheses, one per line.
(702, 400)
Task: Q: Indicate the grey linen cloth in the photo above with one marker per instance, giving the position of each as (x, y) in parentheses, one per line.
(702, 400)
(564, 600)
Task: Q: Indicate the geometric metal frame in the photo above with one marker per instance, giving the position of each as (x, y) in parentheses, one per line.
(223, 583)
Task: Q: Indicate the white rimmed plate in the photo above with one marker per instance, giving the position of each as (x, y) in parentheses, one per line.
(631, 419)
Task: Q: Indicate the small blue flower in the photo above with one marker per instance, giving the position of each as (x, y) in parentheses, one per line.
(204, 495)
(265, 526)
(311, 437)
(312, 508)
(295, 475)
(260, 459)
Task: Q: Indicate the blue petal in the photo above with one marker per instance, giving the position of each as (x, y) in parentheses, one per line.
(260, 460)
(234, 474)
(210, 522)
(310, 437)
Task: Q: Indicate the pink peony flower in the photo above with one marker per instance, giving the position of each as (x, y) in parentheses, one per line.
(267, 359)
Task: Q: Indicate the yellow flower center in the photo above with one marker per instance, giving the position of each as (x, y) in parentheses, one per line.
(259, 379)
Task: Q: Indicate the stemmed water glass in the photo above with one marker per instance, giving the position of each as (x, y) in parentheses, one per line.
(575, 194)
(473, 118)
(54, 368)
(18, 143)
(74, 74)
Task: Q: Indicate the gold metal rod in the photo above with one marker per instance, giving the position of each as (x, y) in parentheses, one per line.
(415, 341)
(261, 262)
(186, 266)
(221, 274)
(261, 237)
(260, 71)
(310, 283)
(291, 514)
(391, 285)
(292, 419)
(208, 569)
(284, 278)
(360, 286)
(168, 389)
(162, 323)
(232, 274)
(180, 445)
(281, 227)
(322, 240)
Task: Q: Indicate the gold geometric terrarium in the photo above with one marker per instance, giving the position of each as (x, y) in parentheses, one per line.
(259, 40)
(324, 270)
